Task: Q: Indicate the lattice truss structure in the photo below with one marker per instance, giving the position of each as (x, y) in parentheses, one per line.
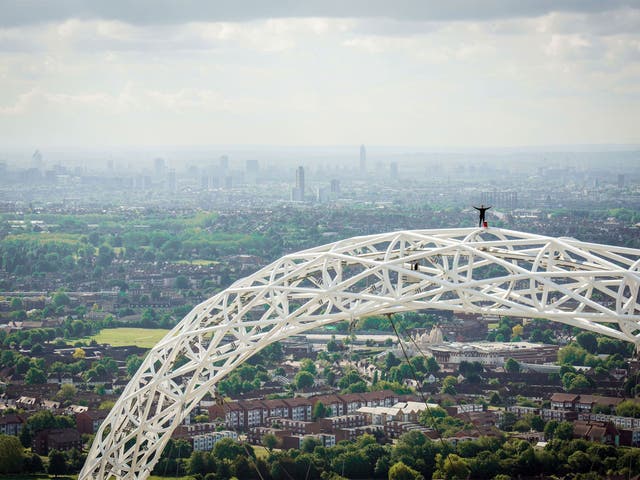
(479, 270)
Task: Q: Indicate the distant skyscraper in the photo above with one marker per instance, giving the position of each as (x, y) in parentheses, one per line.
(300, 179)
(297, 193)
(159, 166)
(172, 184)
(36, 159)
(224, 162)
(335, 186)
(393, 170)
(252, 171)
(621, 180)
(363, 159)
(323, 195)
(252, 165)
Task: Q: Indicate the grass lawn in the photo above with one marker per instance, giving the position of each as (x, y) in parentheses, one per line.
(46, 237)
(121, 337)
(260, 451)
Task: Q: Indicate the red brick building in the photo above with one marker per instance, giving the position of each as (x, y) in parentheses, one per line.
(56, 439)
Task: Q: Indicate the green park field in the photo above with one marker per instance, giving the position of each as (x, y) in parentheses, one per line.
(121, 337)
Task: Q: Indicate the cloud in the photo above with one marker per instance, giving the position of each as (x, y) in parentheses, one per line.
(273, 35)
(154, 12)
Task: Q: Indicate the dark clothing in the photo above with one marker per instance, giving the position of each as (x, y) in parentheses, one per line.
(482, 209)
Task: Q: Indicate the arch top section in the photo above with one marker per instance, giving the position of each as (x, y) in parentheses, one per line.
(477, 270)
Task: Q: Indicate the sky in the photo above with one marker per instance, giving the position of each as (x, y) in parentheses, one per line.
(460, 73)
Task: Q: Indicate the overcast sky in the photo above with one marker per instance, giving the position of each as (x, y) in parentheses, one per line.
(458, 73)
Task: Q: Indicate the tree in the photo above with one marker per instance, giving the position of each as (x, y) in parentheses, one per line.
(66, 393)
(516, 332)
(35, 376)
(467, 369)
(32, 464)
(57, 463)
(57, 367)
(105, 255)
(628, 408)
(511, 366)
(200, 463)
(79, 353)
(432, 365)
(579, 382)
(537, 423)
(333, 346)
(227, 449)
(25, 437)
(11, 454)
(309, 444)
(133, 364)
(580, 462)
(588, 341)
(454, 467)
(564, 431)
(16, 304)
(106, 405)
(303, 380)
(182, 282)
(508, 421)
(308, 365)
(572, 354)
(449, 385)
(391, 361)
(319, 411)
(61, 299)
(269, 441)
(400, 471)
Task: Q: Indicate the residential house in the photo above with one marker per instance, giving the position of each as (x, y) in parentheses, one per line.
(56, 439)
(300, 408)
(587, 403)
(601, 432)
(90, 420)
(205, 442)
(255, 413)
(11, 424)
(563, 401)
(277, 408)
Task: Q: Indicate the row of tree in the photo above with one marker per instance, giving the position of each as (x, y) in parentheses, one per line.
(413, 457)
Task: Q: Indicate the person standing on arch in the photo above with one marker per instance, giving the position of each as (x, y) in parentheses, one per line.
(482, 209)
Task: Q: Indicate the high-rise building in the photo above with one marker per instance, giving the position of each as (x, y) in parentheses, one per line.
(224, 162)
(323, 194)
(393, 170)
(252, 165)
(172, 184)
(363, 159)
(300, 179)
(335, 186)
(159, 166)
(36, 160)
(621, 180)
(252, 171)
(297, 193)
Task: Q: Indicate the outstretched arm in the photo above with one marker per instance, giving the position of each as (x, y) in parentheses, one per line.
(488, 208)
(477, 208)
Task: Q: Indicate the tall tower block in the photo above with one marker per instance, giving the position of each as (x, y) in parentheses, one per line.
(363, 159)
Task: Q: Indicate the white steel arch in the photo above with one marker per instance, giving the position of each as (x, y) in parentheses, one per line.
(481, 270)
